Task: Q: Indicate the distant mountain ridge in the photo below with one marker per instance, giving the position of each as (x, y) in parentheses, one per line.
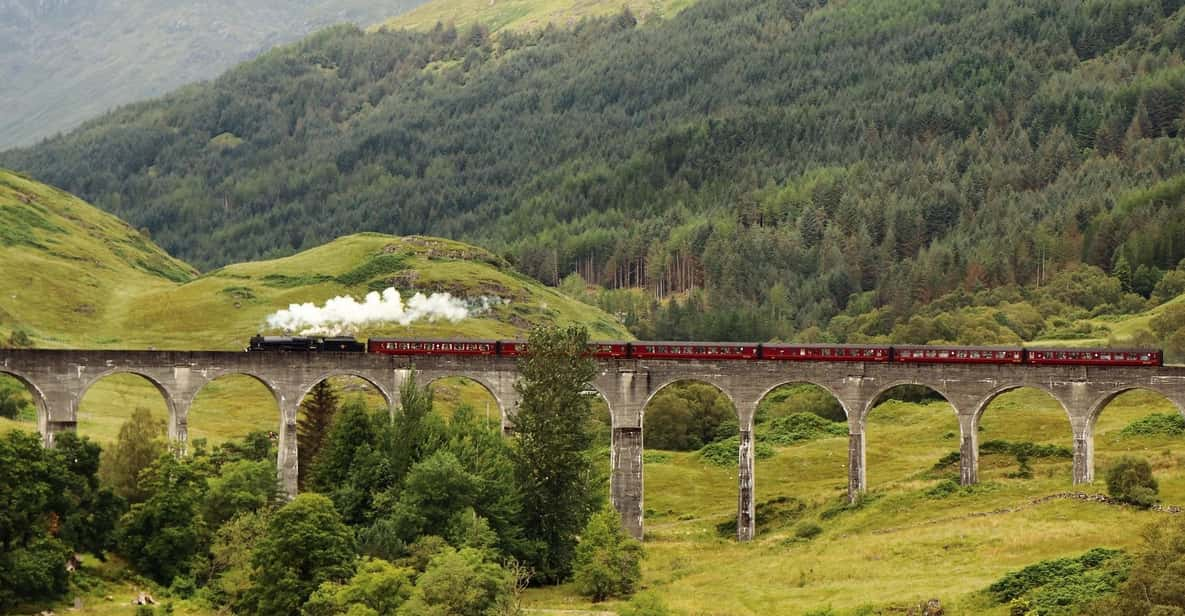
(65, 61)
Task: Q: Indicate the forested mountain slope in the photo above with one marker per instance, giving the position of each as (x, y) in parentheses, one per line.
(65, 61)
(794, 159)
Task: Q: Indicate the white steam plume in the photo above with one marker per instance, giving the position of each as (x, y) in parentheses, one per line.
(344, 314)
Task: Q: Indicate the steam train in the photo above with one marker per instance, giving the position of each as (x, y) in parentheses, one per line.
(728, 351)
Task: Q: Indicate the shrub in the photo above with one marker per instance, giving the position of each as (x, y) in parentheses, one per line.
(1156, 424)
(645, 604)
(807, 530)
(1130, 480)
(943, 489)
(608, 562)
(1019, 583)
(800, 427)
(458, 582)
(19, 339)
(768, 515)
(726, 452)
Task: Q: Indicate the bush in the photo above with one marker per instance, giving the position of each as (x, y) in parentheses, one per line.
(608, 562)
(807, 530)
(800, 427)
(458, 582)
(19, 339)
(727, 452)
(1130, 480)
(645, 604)
(1156, 424)
(943, 489)
(1058, 571)
(768, 515)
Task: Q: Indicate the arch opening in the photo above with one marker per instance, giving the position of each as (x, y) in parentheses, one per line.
(1142, 423)
(451, 393)
(690, 440)
(800, 452)
(912, 438)
(320, 407)
(1025, 440)
(232, 407)
(110, 400)
(22, 406)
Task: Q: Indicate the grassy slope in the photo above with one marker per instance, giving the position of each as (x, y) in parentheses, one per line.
(903, 547)
(76, 277)
(67, 267)
(525, 14)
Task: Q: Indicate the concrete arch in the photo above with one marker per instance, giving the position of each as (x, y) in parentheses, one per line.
(999, 391)
(255, 377)
(871, 403)
(1097, 409)
(170, 402)
(39, 400)
(767, 391)
(694, 379)
(354, 373)
(486, 385)
(186, 405)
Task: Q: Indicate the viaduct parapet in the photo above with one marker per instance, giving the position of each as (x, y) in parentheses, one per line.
(58, 379)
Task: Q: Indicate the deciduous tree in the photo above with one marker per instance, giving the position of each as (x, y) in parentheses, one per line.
(559, 483)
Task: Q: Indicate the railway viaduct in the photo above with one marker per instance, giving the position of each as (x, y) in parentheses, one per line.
(58, 379)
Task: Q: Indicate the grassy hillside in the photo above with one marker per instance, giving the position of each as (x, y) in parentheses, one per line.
(76, 277)
(69, 268)
(904, 545)
(524, 14)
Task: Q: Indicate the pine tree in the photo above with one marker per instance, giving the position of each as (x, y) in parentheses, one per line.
(319, 408)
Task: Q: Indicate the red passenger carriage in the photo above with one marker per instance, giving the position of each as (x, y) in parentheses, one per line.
(957, 355)
(609, 350)
(1095, 357)
(694, 350)
(391, 346)
(825, 352)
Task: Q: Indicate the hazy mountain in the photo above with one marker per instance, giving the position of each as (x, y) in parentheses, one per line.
(63, 61)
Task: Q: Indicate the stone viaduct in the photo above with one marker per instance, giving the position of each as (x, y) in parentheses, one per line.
(58, 379)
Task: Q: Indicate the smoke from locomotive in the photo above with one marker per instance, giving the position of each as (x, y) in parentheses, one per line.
(344, 314)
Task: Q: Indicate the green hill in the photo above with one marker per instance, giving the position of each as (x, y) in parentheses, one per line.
(76, 277)
(69, 268)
